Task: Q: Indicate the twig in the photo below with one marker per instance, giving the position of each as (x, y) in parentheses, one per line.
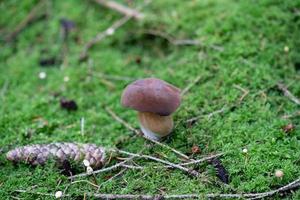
(37, 193)
(109, 31)
(288, 94)
(121, 121)
(128, 126)
(121, 8)
(100, 36)
(189, 171)
(188, 87)
(202, 159)
(245, 92)
(290, 186)
(120, 164)
(79, 181)
(4, 88)
(181, 164)
(295, 114)
(32, 16)
(132, 166)
(82, 122)
(171, 39)
(193, 119)
(114, 176)
(178, 42)
(113, 77)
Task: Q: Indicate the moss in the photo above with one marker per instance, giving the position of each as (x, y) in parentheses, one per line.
(242, 43)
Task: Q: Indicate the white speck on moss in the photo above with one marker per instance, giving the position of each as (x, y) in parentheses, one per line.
(110, 31)
(286, 49)
(66, 79)
(42, 75)
(58, 194)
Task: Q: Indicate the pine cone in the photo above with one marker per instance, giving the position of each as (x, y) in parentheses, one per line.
(38, 154)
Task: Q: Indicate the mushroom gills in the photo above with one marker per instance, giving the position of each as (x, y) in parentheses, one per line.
(155, 126)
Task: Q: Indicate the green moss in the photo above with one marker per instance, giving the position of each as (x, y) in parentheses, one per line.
(242, 43)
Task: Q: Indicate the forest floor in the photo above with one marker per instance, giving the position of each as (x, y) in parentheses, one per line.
(229, 57)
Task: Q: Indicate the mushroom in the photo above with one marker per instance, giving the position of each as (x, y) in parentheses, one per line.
(155, 100)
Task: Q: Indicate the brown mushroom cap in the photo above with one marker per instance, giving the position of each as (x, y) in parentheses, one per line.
(151, 95)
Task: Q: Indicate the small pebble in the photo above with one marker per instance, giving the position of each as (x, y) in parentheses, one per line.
(58, 194)
(279, 173)
(42, 75)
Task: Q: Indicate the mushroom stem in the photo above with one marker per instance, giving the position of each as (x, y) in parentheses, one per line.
(155, 126)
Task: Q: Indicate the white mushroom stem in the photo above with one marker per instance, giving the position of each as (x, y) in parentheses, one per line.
(155, 126)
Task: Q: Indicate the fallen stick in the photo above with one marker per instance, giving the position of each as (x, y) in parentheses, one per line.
(171, 39)
(188, 87)
(113, 77)
(121, 8)
(178, 42)
(128, 126)
(135, 155)
(189, 171)
(79, 181)
(295, 114)
(100, 36)
(245, 92)
(288, 94)
(290, 186)
(109, 31)
(194, 119)
(32, 16)
(201, 160)
(4, 89)
(118, 165)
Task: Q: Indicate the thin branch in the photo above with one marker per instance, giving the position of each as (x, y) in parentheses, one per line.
(245, 92)
(80, 181)
(82, 123)
(121, 121)
(114, 176)
(109, 31)
(188, 87)
(209, 115)
(181, 164)
(32, 16)
(128, 126)
(189, 171)
(100, 36)
(201, 160)
(178, 42)
(132, 166)
(118, 165)
(120, 8)
(293, 185)
(113, 77)
(171, 39)
(295, 114)
(288, 94)
(4, 89)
